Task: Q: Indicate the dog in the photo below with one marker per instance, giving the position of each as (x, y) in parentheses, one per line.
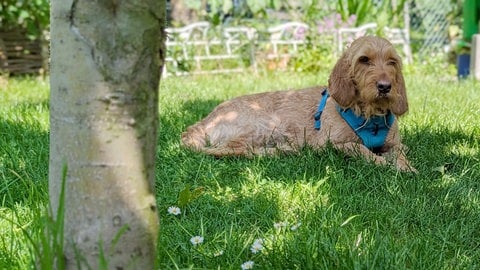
(366, 85)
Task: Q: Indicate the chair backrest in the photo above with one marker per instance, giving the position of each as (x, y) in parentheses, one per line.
(400, 36)
(285, 38)
(345, 35)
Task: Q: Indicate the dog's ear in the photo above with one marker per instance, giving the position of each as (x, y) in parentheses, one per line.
(401, 105)
(340, 84)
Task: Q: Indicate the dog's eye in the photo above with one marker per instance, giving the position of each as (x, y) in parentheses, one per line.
(391, 62)
(364, 60)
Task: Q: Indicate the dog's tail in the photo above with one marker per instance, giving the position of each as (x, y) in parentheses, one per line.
(194, 137)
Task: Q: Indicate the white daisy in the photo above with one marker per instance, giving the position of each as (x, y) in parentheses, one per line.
(280, 225)
(258, 241)
(296, 226)
(256, 247)
(218, 253)
(247, 265)
(196, 240)
(173, 210)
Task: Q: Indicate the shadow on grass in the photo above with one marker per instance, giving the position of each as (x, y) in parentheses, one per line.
(431, 147)
(23, 179)
(425, 220)
(433, 215)
(24, 148)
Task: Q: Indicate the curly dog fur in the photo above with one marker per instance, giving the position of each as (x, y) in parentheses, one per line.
(367, 79)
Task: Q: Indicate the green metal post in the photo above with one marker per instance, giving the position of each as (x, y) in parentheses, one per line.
(471, 18)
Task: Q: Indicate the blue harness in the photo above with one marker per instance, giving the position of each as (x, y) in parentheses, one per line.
(372, 131)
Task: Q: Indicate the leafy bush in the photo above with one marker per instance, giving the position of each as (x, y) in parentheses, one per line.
(32, 15)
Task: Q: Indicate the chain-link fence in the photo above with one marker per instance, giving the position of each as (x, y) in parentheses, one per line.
(429, 25)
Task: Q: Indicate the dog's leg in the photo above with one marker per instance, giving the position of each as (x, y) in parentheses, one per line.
(356, 149)
(236, 147)
(398, 157)
(403, 165)
(240, 148)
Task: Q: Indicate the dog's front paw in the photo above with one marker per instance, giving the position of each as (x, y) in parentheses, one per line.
(405, 166)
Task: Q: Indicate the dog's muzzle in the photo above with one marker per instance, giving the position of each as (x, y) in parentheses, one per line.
(384, 87)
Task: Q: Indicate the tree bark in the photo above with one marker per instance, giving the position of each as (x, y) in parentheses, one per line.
(106, 58)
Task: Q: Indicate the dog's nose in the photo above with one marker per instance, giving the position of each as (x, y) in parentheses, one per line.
(384, 86)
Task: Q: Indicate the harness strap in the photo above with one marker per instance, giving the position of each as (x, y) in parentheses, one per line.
(373, 131)
(321, 107)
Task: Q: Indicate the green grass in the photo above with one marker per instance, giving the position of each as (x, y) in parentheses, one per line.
(23, 168)
(353, 214)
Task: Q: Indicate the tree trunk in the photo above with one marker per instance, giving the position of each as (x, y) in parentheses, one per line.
(106, 58)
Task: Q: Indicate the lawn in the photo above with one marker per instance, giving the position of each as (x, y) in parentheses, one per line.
(312, 210)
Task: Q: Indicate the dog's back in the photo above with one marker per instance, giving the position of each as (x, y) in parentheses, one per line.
(251, 124)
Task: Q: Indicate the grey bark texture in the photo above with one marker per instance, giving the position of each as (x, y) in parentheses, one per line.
(106, 58)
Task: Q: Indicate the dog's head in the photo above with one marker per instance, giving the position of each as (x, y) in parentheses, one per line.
(368, 78)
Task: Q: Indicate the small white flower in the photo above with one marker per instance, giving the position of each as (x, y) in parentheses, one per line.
(247, 265)
(196, 240)
(218, 253)
(173, 210)
(256, 247)
(258, 241)
(296, 226)
(280, 225)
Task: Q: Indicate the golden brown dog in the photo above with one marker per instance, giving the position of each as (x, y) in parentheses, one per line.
(366, 82)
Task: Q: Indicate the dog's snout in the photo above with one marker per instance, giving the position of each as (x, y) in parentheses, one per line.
(384, 86)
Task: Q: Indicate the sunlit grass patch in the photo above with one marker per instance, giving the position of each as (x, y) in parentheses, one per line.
(312, 210)
(351, 213)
